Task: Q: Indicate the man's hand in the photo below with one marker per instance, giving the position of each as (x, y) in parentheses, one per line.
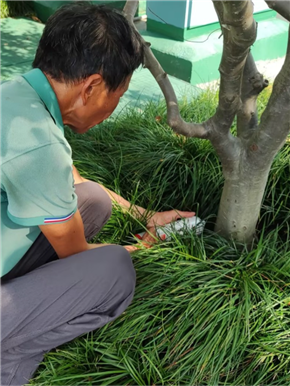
(131, 248)
(163, 218)
(147, 241)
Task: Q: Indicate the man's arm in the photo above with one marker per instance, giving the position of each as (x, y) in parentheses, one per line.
(138, 211)
(153, 218)
(68, 238)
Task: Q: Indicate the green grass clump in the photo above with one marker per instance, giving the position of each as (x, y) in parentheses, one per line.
(206, 310)
(4, 9)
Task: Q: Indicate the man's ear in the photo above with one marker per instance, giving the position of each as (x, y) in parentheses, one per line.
(92, 86)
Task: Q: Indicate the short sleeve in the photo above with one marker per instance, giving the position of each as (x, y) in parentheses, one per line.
(39, 186)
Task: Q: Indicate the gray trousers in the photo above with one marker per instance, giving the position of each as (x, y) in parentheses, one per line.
(46, 301)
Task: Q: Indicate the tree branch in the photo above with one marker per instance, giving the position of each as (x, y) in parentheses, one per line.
(275, 121)
(130, 9)
(280, 6)
(253, 84)
(239, 32)
(173, 115)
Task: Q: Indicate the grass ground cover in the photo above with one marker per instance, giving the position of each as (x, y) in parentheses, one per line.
(206, 310)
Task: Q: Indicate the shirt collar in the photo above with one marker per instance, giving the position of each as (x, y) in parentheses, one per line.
(41, 85)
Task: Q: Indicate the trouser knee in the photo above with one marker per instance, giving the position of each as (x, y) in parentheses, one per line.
(124, 273)
(95, 207)
(119, 278)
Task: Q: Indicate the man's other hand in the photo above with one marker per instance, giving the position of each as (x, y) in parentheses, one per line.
(163, 218)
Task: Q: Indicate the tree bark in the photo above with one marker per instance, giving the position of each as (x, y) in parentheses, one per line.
(253, 84)
(275, 120)
(240, 204)
(130, 10)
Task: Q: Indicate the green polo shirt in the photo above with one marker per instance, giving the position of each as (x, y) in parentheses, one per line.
(36, 165)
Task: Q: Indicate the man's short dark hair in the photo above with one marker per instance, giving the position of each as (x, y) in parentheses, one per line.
(82, 39)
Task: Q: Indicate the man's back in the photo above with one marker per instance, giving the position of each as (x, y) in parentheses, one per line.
(32, 146)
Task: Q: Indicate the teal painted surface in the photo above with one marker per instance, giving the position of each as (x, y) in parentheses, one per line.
(141, 8)
(19, 39)
(272, 39)
(193, 62)
(175, 66)
(167, 30)
(44, 8)
(172, 12)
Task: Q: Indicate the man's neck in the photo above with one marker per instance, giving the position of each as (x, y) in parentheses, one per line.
(66, 95)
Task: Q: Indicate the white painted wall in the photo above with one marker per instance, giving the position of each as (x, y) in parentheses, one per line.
(188, 13)
(202, 11)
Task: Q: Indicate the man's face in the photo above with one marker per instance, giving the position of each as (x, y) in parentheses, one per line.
(96, 105)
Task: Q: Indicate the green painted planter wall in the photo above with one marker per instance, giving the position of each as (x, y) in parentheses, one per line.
(44, 9)
(197, 60)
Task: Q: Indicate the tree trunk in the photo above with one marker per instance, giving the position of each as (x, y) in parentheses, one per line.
(241, 202)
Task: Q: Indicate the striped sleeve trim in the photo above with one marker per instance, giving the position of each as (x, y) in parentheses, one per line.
(36, 221)
(50, 220)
